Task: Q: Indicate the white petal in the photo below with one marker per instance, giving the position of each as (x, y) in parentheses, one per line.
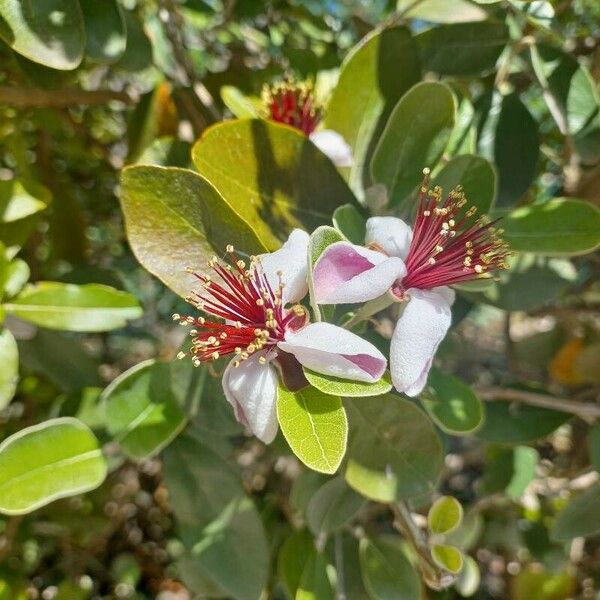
(418, 333)
(334, 146)
(251, 388)
(331, 350)
(292, 260)
(391, 233)
(346, 274)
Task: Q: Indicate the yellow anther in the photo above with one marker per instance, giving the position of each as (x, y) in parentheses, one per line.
(181, 355)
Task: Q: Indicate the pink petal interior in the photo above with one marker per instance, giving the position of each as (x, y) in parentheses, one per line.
(372, 365)
(338, 264)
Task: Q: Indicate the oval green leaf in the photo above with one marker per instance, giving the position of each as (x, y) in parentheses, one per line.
(448, 558)
(106, 37)
(332, 505)
(50, 32)
(69, 307)
(174, 217)
(315, 426)
(9, 373)
(387, 572)
(580, 518)
(334, 386)
(445, 515)
(463, 49)
(373, 77)
(415, 136)
(559, 226)
(242, 106)
(452, 404)
(394, 451)
(141, 410)
(350, 222)
(271, 175)
(469, 579)
(55, 459)
(441, 11)
(477, 177)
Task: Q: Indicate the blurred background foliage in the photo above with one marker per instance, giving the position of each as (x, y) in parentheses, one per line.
(88, 87)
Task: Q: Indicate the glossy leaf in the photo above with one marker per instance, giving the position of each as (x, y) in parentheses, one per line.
(515, 424)
(331, 506)
(373, 77)
(580, 518)
(271, 175)
(452, 404)
(477, 177)
(414, 138)
(463, 49)
(9, 373)
(141, 410)
(559, 226)
(394, 451)
(445, 515)
(334, 386)
(348, 220)
(104, 29)
(387, 573)
(315, 426)
(219, 526)
(447, 557)
(55, 459)
(50, 33)
(175, 218)
(441, 11)
(90, 307)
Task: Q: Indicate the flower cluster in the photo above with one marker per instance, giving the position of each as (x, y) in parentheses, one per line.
(252, 309)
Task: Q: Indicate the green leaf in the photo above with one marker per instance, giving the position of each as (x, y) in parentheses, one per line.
(9, 373)
(334, 386)
(559, 226)
(594, 446)
(292, 559)
(69, 307)
(445, 515)
(509, 138)
(242, 106)
(50, 32)
(373, 77)
(138, 52)
(315, 426)
(271, 175)
(142, 411)
(166, 151)
(452, 404)
(414, 138)
(303, 489)
(106, 37)
(314, 583)
(55, 459)
(580, 518)
(476, 176)
(387, 573)
(348, 220)
(463, 49)
(174, 217)
(469, 579)
(17, 275)
(506, 423)
(441, 11)
(394, 451)
(20, 205)
(447, 557)
(219, 526)
(332, 506)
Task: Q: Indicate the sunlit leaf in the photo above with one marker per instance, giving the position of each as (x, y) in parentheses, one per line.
(445, 515)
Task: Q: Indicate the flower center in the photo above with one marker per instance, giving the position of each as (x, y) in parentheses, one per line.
(449, 245)
(255, 318)
(293, 104)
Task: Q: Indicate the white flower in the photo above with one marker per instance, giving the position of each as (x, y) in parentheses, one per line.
(415, 265)
(266, 335)
(333, 145)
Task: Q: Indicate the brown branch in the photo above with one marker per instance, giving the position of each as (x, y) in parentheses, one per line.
(63, 98)
(585, 410)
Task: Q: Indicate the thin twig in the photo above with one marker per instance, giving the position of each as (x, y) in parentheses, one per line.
(339, 567)
(63, 98)
(585, 410)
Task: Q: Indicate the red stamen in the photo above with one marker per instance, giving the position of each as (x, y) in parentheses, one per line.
(256, 317)
(448, 245)
(293, 104)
